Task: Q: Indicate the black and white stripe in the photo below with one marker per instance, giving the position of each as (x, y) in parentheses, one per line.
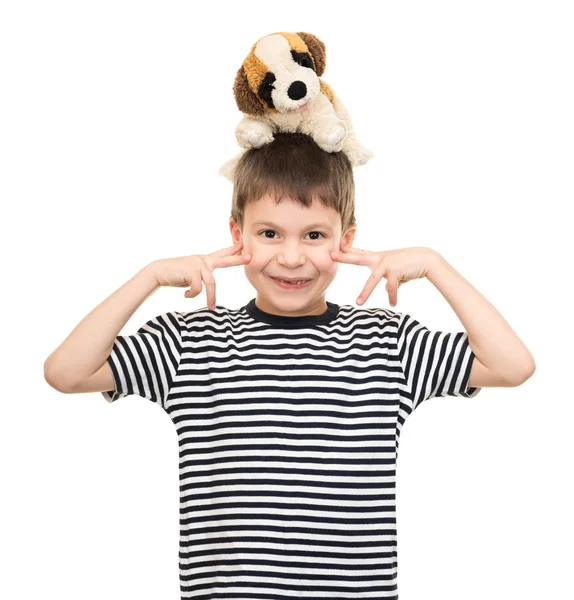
(288, 433)
(145, 364)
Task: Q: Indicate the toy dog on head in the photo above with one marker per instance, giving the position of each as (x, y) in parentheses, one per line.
(279, 88)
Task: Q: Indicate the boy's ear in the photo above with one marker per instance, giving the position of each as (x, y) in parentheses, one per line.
(347, 239)
(236, 234)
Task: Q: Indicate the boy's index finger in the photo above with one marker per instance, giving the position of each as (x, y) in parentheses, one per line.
(353, 257)
(238, 260)
(221, 262)
(228, 251)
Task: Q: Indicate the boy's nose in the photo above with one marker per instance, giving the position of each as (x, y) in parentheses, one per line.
(291, 259)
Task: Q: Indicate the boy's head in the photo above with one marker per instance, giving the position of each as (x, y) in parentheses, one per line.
(293, 204)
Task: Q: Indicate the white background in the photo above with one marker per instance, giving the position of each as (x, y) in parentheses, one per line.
(115, 119)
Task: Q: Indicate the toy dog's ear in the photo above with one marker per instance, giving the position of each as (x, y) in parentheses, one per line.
(247, 101)
(317, 50)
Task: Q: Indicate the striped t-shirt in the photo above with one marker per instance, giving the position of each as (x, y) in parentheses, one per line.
(288, 433)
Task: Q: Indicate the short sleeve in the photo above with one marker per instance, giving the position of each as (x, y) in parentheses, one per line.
(434, 363)
(145, 364)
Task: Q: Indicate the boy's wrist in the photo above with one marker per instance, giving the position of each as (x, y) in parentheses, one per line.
(436, 263)
(149, 274)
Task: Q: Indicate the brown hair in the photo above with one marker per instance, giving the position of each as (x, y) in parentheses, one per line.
(294, 166)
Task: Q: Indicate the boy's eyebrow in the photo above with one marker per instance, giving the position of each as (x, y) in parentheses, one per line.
(321, 225)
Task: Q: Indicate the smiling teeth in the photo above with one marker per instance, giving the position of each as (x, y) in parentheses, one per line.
(292, 282)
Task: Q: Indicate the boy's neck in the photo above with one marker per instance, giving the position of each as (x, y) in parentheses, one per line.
(312, 310)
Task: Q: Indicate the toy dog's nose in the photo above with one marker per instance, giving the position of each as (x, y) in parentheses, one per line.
(297, 90)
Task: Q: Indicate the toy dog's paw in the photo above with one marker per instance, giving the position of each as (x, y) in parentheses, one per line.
(227, 170)
(331, 139)
(254, 135)
(362, 156)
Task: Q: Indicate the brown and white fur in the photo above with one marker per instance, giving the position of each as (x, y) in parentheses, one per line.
(278, 88)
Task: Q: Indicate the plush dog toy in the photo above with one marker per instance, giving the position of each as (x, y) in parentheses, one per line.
(279, 88)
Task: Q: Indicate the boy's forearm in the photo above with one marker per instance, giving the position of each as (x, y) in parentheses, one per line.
(88, 346)
(491, 338)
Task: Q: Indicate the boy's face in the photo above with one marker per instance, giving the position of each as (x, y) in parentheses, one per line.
(289, 240)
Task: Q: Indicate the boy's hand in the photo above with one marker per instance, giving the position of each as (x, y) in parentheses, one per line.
(185, 271)
(396, 266)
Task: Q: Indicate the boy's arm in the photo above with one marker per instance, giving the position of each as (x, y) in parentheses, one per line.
(503, 357)
(82, 356)
(101, 381)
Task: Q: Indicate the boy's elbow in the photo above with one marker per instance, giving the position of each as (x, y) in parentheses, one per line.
(54, 380)
(526, 376)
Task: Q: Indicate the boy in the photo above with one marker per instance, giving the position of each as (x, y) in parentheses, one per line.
(289, 409)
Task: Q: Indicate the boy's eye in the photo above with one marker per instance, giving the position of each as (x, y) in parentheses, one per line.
(272, 230)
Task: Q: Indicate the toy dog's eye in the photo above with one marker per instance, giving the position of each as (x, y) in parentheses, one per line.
(303, 58)
(266, 88)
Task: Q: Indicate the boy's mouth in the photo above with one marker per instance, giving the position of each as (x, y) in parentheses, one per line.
(291, 284)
